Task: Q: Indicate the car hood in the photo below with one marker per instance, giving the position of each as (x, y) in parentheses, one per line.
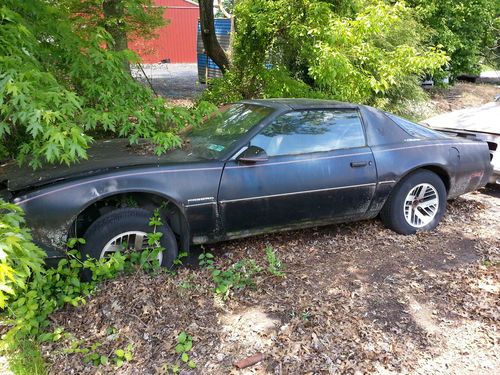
(483, 119)
(102, 156)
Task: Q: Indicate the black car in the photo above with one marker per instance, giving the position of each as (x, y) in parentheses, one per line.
(260, 166)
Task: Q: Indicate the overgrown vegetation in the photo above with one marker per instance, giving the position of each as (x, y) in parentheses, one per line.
(30, 292)
(374, 52)
(20, 259)
(468, 31)
(60, 87)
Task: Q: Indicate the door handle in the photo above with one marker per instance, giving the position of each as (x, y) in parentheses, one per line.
(358, 164)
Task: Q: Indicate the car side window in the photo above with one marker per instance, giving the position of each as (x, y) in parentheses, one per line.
(310, 131)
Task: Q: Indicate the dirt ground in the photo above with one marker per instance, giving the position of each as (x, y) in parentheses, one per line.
(462, 95)
(356, 298)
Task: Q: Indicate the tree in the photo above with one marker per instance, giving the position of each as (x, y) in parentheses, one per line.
(341, 50)
(210, 42)
(60, 87)
(465, 29)
(122, 19)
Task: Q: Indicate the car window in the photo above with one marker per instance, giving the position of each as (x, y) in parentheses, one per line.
(304, 132)
(415, 130)
(219, 133)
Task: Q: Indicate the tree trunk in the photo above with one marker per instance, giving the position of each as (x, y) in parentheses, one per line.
(114, 13)
(210, 42)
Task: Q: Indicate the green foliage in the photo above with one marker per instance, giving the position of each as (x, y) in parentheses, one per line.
(237, 276)
(59, 87)
(464, 28)
(43, 291)
(141, 17)
(184, 345)
(366, 52)
(23, 357)
(53, 288)
(20, 259)
(274, 265)
(123, 355)
(93, 354)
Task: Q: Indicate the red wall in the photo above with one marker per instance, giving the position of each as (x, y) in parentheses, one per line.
(177, 40)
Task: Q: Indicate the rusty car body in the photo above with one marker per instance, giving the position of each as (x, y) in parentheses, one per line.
(247, 186)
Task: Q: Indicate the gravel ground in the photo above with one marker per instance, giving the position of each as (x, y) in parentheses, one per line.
(174, 81)
(356, 298)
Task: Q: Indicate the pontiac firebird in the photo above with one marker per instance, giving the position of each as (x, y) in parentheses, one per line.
(257, 167)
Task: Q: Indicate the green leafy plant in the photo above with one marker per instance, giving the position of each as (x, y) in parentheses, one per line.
(20, 259)
(465, 29)
(183, 347)
(362, 51)
(238, 276)
(274, 265)
(60, 88)
(206, 259)
(123, 355)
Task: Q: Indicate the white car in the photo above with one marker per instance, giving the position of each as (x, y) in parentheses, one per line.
(481, 123)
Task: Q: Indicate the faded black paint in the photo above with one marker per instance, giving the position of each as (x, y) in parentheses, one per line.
(222, 199)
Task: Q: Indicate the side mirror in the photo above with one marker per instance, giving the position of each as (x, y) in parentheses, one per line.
(253, 154)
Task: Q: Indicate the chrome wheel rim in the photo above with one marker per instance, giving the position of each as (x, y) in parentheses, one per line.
(128, 241)
(421, 205)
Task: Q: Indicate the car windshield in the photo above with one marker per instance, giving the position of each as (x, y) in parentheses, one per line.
(221, 132)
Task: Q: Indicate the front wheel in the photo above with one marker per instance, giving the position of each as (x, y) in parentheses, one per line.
(126, 229)
(417, 203)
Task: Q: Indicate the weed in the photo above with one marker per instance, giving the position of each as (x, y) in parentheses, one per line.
(123, 355)
(274, 265)
(206, 259)
(237, 276)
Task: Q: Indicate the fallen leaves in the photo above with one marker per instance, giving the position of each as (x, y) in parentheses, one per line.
(357, 298)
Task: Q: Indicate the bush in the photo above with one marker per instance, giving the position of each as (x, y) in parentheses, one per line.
(365, 54)
(466, 30)
(20, 259)
(60, 86)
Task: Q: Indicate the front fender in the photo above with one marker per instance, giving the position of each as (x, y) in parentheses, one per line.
(51, 210)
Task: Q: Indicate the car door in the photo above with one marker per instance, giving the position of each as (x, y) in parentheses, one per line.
(319, 168)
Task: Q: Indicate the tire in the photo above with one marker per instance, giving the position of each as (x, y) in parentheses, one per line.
(420, 212)
(119, 222)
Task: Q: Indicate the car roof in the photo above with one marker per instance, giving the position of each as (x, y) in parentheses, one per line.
(299, 103)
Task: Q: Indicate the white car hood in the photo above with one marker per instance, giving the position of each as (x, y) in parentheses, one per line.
(484, 119)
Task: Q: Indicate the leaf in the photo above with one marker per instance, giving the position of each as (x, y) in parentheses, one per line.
(181, 339)
(184, 357)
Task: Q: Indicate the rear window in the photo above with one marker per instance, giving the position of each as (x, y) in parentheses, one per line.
(415, 130)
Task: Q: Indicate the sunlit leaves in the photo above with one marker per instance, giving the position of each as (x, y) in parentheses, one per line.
(358, 51)
(19, 257)
(59, 86)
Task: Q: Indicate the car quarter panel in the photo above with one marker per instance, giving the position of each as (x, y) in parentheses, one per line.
(464, 163)
(51, 210)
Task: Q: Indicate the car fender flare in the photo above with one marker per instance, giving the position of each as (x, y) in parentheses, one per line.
(185, 229)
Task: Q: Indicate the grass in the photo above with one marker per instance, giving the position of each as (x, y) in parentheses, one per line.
(22, 357)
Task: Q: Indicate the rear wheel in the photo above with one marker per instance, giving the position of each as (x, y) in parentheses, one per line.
(417, 203)
(124, 230)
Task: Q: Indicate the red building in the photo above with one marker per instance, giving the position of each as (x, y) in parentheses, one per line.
(176, 42)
